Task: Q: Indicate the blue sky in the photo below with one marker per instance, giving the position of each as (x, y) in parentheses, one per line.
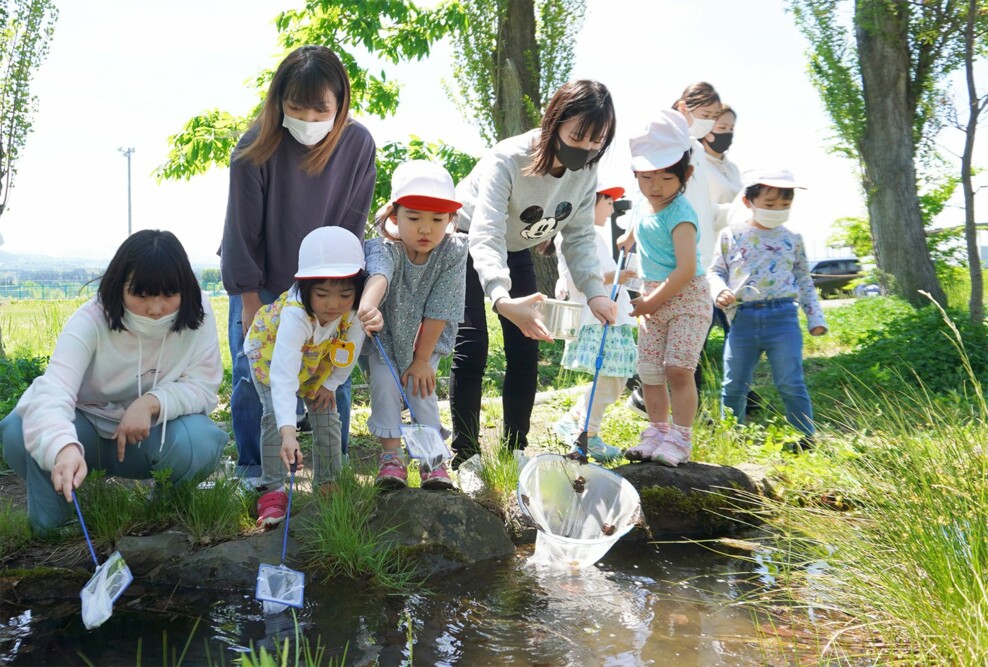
(122, 73)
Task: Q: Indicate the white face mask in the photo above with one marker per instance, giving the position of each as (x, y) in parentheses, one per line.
(305, 132)
(770, 218)
(701, 127)
(148, 326)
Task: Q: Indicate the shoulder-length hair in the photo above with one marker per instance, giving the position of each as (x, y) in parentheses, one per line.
(151, 262)
(303, 78)
(591, 102)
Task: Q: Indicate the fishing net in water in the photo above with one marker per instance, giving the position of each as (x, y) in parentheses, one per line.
(579, 509)
(102, 590)
(279, 587)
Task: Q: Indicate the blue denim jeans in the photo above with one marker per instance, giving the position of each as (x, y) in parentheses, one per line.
(245, 406)
(192, 446)
(772, 327)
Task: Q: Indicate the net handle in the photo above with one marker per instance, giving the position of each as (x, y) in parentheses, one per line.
(603, 338)
(85, 532)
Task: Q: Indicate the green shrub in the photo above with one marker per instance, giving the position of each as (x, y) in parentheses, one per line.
(16, 375)
(915, 349)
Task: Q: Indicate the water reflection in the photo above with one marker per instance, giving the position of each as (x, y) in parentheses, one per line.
(640, 605)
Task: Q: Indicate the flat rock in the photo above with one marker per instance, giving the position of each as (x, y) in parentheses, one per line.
(445, 529)
(697, 499)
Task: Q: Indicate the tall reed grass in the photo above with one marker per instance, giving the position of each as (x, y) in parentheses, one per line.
(910, 560)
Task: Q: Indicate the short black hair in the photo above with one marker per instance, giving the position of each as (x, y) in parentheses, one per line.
(306, 285)
(756, 189)
(151, 262)
(681, 169)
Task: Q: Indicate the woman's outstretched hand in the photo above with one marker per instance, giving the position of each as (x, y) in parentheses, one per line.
(522, 313)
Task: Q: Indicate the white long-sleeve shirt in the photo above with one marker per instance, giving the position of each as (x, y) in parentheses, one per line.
(97, 371)
(724, 179)
(296, 329)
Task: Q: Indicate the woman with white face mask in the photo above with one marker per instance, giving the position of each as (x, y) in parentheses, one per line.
(303, 164)
(129, 386)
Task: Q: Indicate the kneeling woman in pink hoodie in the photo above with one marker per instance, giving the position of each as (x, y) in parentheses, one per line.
(129, 387)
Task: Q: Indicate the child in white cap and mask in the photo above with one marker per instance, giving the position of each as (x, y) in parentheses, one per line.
(759, 272)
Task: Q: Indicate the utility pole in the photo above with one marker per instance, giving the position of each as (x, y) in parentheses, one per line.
(127, 152)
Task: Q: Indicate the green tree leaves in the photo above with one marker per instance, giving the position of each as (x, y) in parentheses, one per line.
(26, 27)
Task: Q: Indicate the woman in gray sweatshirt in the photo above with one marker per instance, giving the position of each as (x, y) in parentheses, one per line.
(524, 191)
(303, 164)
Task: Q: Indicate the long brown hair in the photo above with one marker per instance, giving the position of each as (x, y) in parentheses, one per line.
(590, 101)
(303, 78)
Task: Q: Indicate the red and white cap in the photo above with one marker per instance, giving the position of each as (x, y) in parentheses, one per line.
(329, 252)
(614, 192)
(422, 185)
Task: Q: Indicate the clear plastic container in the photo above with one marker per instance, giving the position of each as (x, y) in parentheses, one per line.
(561, 318)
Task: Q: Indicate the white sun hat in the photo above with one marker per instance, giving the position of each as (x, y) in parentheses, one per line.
(330, 252)
(662, 145)
(773, 177)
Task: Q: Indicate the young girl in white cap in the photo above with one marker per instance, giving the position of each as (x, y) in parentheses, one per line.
(620, 351)
(305, 344)
(760, 272)
(413, 302)
(675, 306)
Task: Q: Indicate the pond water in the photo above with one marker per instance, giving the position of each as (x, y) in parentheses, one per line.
(654, 604)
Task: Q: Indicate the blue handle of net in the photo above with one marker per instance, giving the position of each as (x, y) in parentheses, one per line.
(78, 511)
(288, 512)
(394, 374)
(603, 338)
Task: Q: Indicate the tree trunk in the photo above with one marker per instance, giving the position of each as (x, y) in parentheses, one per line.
(887, 151)
(518, 69)
(518, 92)
(975, 106)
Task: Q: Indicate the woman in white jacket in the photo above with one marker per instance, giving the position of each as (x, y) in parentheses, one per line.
(129, 386)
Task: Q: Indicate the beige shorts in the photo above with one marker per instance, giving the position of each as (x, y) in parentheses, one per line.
(676, 332)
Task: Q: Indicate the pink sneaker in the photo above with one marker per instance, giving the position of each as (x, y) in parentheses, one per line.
(391, 473)
(675, 449)
(271, 509)
(437, 479)
(650, 441)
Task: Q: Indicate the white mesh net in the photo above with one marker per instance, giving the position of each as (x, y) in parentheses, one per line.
(102, 590)
(580, 509)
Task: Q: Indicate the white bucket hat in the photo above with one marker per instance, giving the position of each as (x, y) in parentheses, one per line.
(424, 186)
(330, 252)
(773, 178)
(663, 144)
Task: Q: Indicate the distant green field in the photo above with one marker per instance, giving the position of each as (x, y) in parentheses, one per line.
(31, 327)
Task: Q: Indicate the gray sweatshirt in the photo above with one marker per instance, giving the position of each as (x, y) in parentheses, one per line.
(273, 206)
(506, 211)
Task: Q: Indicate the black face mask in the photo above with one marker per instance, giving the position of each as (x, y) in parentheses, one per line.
(573, 158)
(722, 141)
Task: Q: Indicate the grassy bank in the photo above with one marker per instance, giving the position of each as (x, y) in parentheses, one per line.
(880, 544)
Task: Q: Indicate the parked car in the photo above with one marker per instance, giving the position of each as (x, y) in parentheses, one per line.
(833, 274)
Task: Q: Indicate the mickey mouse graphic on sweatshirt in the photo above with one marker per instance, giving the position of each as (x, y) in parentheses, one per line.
(506, 210)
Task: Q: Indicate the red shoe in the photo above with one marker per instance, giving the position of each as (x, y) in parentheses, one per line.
(392, 473)
(437, 479)
(271, 509)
